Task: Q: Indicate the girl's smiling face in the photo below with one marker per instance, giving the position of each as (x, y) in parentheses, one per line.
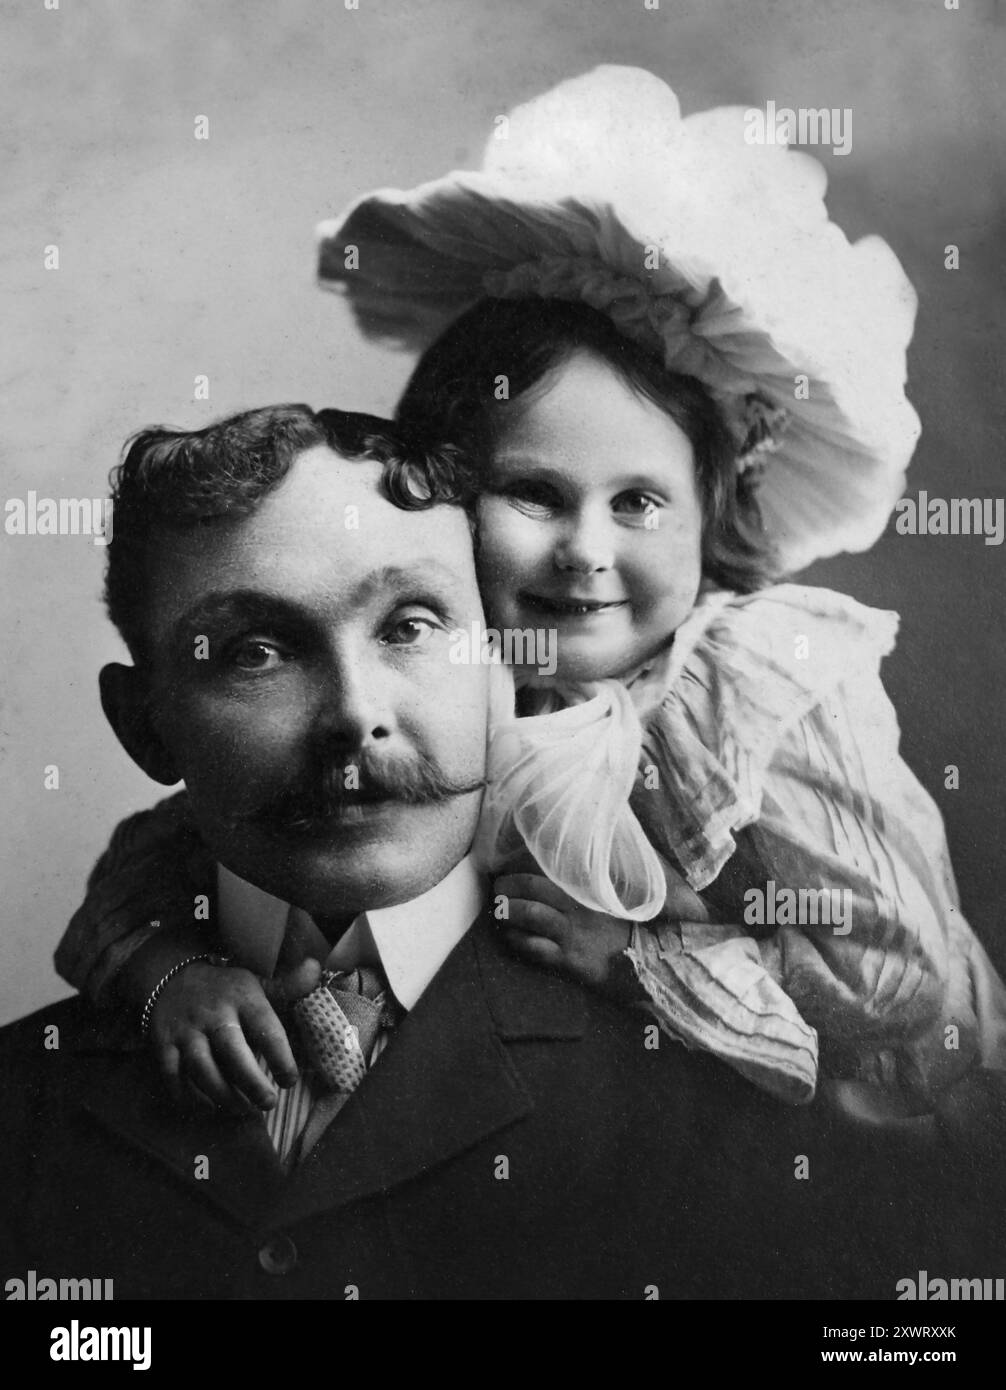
(591, 523)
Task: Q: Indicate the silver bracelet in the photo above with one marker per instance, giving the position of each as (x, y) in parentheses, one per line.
(148, 1009)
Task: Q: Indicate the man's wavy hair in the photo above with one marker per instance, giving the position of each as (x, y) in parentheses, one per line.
(182, 480)
(452, 395)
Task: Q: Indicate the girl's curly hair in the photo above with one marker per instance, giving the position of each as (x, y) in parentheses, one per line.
(452, 394)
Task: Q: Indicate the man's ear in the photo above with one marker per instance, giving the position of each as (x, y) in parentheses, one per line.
(125, 698)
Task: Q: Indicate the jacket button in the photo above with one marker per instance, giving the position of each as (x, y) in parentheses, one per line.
(278, 1256)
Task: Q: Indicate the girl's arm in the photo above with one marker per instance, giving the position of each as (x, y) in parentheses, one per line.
(155, 876)
(878, 957)
(147, 911)
(705, 984)
(783, 796)
(837, 915)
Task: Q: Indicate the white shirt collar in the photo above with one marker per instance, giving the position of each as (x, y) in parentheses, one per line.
(410, 940)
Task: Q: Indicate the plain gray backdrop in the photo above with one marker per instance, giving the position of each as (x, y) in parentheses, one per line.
(181, 257)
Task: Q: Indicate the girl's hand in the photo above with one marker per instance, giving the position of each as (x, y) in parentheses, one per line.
(547, 927)
(210, 1021)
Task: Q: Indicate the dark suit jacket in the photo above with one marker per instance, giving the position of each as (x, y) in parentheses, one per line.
(516, 1139)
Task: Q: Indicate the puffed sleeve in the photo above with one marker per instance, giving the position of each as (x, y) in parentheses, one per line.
(778, 752)
(148, 877)
(894, 987)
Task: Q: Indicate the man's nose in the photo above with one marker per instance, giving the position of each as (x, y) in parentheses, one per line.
(586, 543)
(354, 708)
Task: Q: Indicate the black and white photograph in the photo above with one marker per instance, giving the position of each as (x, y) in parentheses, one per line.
(503, 590)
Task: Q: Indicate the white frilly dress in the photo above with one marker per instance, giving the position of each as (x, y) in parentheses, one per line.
(758, 756)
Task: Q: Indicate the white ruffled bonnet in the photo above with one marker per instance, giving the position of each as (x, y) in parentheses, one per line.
(715, 253)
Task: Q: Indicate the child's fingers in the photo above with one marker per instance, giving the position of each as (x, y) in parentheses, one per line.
(294, 984)
(537, 919)
(524, 862)
(204, 1079)
(538, 950)
(532, 887)
(681, 903)
(169, 1060)
(264, 1031)
(238, 1066)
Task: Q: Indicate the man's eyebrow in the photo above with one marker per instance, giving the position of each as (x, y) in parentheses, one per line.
(230, 607)
(233, 606)
(420, 575)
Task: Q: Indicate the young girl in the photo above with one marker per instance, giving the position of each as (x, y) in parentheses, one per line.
(768, 773)
(678, 383)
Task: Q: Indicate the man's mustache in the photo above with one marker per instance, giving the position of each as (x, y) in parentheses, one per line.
(310, 803)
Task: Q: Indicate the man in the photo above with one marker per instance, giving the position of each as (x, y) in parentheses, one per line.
(287, 595)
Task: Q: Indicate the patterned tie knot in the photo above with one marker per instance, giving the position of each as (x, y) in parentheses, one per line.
(339, 1022)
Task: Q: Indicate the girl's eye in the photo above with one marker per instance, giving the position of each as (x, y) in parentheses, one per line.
(640, 505)
(410, 632)
(254, 654)
(532, 497)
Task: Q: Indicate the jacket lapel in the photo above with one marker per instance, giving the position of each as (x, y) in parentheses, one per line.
(445, 1081)
(241, 1173)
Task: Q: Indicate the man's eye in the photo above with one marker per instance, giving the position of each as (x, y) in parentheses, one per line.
(254, 654)
(637, 504)
(410, 632)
